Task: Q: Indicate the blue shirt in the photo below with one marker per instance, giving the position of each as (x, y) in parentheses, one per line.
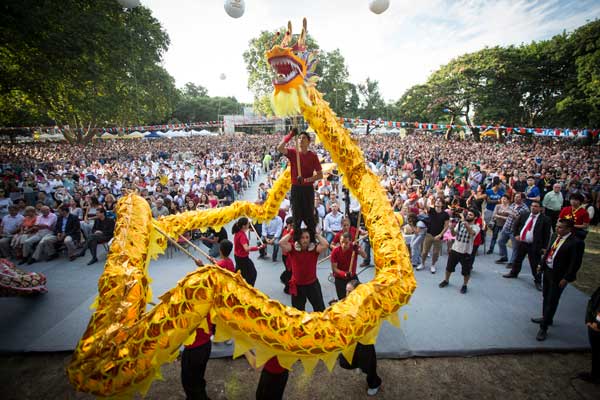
(531, 192)
(493, 196)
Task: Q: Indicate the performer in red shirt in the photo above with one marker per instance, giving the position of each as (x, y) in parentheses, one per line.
(303, 178)
(242, 249)
(341, 257)
(273, 379)
(577, 212)
(346, 227)
(304, 283)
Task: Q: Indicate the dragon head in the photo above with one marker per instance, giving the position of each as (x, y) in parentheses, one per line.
(294, 69)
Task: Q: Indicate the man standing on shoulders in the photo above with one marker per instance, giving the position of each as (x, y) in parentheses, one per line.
(303, 177)
(559, 267)
(532, 233)
(465, 232)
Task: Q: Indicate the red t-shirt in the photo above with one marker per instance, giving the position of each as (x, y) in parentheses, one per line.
(239, 239)
(309, 163)
(342, 259)
(580, 215)
(201, 336)
(226, 263)
(338, 236)
(304, 266)
(274, 367)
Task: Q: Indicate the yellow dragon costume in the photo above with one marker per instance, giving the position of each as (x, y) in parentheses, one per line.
(124, 345)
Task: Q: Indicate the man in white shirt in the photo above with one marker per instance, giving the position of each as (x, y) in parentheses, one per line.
(332, 223)
(45, 226)
(465, 232)
(10, 225)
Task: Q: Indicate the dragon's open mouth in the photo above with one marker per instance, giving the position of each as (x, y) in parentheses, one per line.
(285, 69)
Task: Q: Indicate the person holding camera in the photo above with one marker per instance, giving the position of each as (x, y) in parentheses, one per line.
(464, 231)
(343, 263)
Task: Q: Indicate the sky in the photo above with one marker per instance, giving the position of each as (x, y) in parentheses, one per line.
(399, 48)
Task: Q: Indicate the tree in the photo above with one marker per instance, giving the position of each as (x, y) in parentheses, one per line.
(371, 101)
(334, 80)
(81, 63)
(259, 70)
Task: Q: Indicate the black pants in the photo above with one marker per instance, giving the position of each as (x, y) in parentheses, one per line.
(365, 359)
(551, 293)
(533, 254)
(311, 292)
(93, 241)
(553, 215)
(465, 260)
(302, 200)
(271, 386)
(247, 267)
(595, 343)
(193, 367)
(340, 286)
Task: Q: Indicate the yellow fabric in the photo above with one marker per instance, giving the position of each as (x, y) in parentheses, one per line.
(124, 346)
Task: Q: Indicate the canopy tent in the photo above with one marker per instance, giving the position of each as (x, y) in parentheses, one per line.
(134, 135)
(153, 135)
(107, 136)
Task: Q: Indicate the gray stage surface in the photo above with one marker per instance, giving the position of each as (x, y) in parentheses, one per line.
(493, 317)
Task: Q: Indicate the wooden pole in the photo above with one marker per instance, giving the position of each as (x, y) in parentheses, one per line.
(257, 235)
(174, 243)
(353, 243)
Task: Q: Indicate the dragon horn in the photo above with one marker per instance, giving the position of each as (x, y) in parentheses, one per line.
(302, 38)
(288, 35)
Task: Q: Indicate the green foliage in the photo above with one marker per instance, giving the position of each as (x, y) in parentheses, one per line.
(82, 63)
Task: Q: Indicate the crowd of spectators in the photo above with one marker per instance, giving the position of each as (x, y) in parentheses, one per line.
(42, 181)
(182, 174)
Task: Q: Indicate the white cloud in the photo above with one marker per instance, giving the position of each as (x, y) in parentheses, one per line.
(399, 48)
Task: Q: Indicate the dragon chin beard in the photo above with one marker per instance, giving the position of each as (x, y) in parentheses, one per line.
(288, 102)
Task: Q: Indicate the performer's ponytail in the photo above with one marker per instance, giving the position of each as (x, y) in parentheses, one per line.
(238, 225)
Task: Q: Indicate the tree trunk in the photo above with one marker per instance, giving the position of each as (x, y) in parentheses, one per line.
(449, 129)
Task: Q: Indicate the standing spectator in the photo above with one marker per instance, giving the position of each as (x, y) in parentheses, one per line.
(552, 203)
(559, 266)
(532, 192)
(465, 232)
(532, 233)
(499, 217)
(102, 231)
(516, 209)
(159, 210)
(592, 321)
(439, 221)
(577, 212)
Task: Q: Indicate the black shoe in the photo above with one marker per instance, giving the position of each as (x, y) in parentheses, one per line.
(538, 286)
(443, 283)
(539, 320)
(23, 261)
(489, 252)
(92, 261)
(274, 259)
(541, 335)
(501, 260)
(53, 257)
(31, 260)
(463, 289)
(587, 377)
(509, 275)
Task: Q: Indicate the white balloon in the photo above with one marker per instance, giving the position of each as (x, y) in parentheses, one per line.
(129, 3)
(379, 6)
(222, 77)
(235, 8)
